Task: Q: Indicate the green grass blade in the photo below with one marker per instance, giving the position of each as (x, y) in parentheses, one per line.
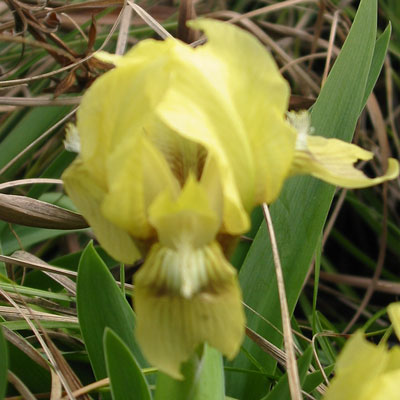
(27, 236)
(3, 364)
(316, 378)
(204, 379)
(301, 210)
(381, 47)
(281, 389)
(34, 376)
(22, 325)
(337, 108)
(101, 305)
(126, 378)
(29, 128)
(28, 291)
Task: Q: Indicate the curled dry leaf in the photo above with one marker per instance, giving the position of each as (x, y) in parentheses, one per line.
(31, 212)
(52, 21)
(67, 83)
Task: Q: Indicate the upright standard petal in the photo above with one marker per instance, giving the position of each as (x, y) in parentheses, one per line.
(230, 97)
(198, 106)
(260, 95)
(120, 103)
(183, 156)
(88, 196)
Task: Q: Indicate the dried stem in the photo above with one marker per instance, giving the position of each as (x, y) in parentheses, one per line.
(293, 373)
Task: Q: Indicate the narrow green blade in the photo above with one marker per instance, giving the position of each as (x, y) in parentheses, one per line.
(300, 213)
(126, 379)
(281, 389)
(204, 379)
(100, 305)
(378, 59)
(3, 365)
(29, 128)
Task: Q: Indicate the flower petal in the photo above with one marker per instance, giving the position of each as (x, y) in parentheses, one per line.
(333, 161)
(170, 326)
(260, 95)
(183, 156)
(87, 194)
(189, 219)
(394, 315)
(137, 173)
(142, 53)
(394, 359)
(72, 141)
(199, 107)
(247, 134)
(357, 369)
(385, 387)
(120, 103)
(211, 182)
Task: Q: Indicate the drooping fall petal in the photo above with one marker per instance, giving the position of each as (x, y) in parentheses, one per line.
(170, 326)
(186, 293)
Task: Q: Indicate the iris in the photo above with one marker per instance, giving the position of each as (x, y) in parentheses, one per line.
(367, 371)
(176, 147)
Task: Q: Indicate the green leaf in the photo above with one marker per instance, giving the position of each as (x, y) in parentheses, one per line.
(378, 59)
(126, 378)
(21, 325)
(316, 378)
(28, 291)
(300, 212)
(27, 236)
(54, 170)
(29, 128)
(33, 375)
(3, 364)
(203, 379)
(3, 269)
(323, 341)
(281, 389)
(101, 305)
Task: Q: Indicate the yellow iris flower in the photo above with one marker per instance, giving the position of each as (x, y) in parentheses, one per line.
(177, 146)
(365, 371)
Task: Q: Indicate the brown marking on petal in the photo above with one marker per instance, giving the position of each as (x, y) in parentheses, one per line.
(201, 160)
(228, 243)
